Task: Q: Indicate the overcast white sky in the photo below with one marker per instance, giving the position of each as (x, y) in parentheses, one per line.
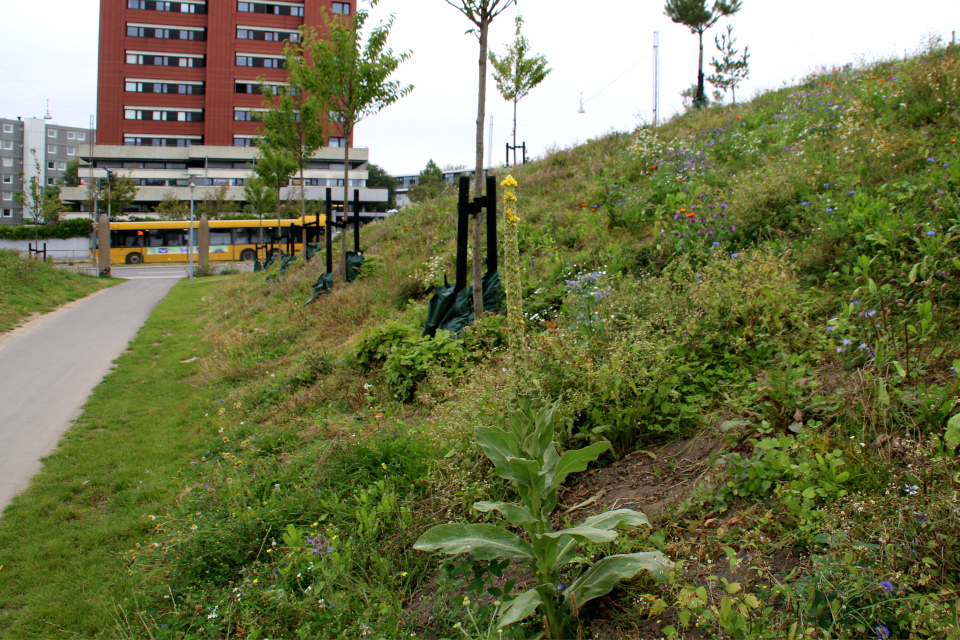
(48, 50)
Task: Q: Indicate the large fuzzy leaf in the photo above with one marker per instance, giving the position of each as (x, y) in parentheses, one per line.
(519, 608)
(483, 541)
(513, 513)
(603, 576)
(613, 519)
(575, 461)
(526, 472)
(585, 533)
(952, 436)
(498, 446)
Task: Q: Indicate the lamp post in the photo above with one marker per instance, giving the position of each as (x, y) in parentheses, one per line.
(193, 182)
(109, 194)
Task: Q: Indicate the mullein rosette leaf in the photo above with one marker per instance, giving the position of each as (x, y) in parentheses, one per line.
(524, 452)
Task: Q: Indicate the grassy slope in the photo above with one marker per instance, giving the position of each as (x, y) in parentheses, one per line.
(30, 286)
(690, 335)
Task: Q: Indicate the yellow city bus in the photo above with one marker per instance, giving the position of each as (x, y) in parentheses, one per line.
(165, 242)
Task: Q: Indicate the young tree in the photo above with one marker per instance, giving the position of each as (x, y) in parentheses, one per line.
(214, 203)
(516, 74)
(114, 194)
(695, 15)
(293, 123)
(350, 77)
(481, 13)
(32, 197)
(71, 178)
(260, 198)
(378, 178)
(274, 168)
(732, 68)
(52, 207)
(171, 207)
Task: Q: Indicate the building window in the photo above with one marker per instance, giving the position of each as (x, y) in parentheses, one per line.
(61, 166)
(244, 142)
(51, 133)
(163, 87)
(81, 137)
(7, 179)
(72, 151)
(71, 135)
(51, 165)
(8, 162)
(135, 31)
(6, 213)
(145, 141)
(336, 142)
(49, 182)
(163, 115)
(8, 145)
(243, 115)
(7, 195)
(8, 128)
(343, 8)
(52, 148)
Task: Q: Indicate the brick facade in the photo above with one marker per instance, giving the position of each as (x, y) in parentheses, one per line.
(209, 33)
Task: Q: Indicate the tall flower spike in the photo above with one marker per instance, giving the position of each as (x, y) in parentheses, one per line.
(511, 277)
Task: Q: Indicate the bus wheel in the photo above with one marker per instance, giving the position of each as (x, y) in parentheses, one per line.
(248, 255)
(134, 258)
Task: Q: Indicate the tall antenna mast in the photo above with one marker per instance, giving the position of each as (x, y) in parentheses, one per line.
(656, 76)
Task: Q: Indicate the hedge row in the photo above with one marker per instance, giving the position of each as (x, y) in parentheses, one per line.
(75, 228)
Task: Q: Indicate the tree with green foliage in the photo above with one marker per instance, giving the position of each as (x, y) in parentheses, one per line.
(481, 13)
(293, 120)
(32, 197)
(273, 168)
(695, 15)
(378, 178)
(172, 208)
(351, 78)
(71, 177)
(113, 195)
(214, 203)
(732, 68)
(516, 74)
(430, 183)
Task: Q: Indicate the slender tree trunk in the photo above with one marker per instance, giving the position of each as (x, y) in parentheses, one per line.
(514, 133)
(303, 210)
(699, 99)
(478, 172)
(346, 197)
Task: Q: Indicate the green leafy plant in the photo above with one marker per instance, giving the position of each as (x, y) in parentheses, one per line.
(524, 453)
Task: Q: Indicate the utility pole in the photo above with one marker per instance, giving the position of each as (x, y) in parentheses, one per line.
(656, 76)
(193, 182)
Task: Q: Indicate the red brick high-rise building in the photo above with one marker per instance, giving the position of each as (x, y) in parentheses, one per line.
(187, 73)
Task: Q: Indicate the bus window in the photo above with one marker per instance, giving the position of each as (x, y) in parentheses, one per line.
(177, 238)
(155, 238)
(126, 239)
(219, 237)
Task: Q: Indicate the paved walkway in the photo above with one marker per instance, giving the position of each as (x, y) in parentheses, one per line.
(49, 367)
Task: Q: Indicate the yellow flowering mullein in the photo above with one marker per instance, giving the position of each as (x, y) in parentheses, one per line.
(511, 281)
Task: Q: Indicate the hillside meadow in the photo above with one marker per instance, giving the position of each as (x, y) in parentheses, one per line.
(753, 306)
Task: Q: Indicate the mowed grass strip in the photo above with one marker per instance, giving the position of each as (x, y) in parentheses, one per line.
(65, 541)
(31, 286)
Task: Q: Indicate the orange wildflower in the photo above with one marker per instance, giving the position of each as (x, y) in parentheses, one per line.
(691, 214)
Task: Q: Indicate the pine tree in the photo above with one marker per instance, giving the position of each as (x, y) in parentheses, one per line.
(732, 68)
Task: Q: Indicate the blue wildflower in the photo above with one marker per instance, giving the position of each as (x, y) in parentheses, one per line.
(882, 632)
(734, 255)
(931, 233)
(716, 244)
(886, 586)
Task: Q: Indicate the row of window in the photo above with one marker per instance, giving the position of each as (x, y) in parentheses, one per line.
(163, 115)
(254, 87)
(244, 33)
(266, 63)
(57, 166)
(71, 135)
(244, 141)
(53, 149)
(8, 128)
(273, 9)
(190, 89)
(145, 141)
(166, 61)
(166, 34)
(159, 5)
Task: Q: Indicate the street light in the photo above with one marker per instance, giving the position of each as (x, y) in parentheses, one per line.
(193, 182)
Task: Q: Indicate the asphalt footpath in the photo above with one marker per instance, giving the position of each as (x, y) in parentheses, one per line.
(50, 365)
